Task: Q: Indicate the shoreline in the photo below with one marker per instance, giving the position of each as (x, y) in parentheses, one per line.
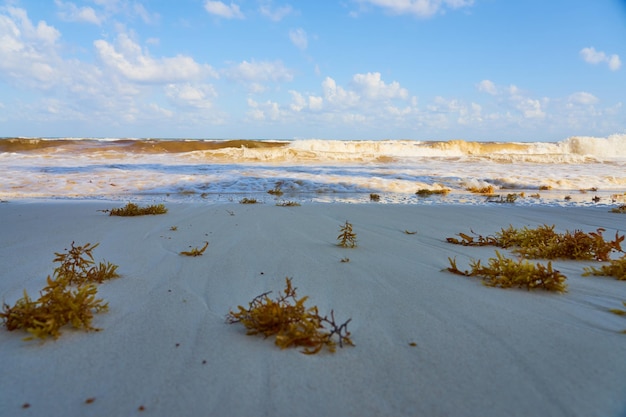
(427, 342)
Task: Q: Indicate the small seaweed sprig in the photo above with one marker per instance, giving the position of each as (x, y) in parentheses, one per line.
(347, 237)
(78, 266)
(292, 324)
(196, 251)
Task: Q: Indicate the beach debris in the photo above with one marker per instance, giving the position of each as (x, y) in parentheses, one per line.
(196, 251)
(374, 197)
(347, 237)
(503, 272)
(497, 198)
(132, 209)
(292, 324)
(69, 297)
(288, 204)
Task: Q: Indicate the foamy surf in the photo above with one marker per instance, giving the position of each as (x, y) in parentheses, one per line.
(578, 170)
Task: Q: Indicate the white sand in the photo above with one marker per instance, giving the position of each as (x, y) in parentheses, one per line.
(165, 345)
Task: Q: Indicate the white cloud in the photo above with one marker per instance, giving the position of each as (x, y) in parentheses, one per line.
(582, 98)
(486, 86)
(268, 110)
(591, 56)
(71, 13)
(29, 53)
(258, 71)
(372, 87)
(129, 60)
(419, 8)
(220, 9)
(144, 14)
(277, 14)
(337, 95)
(187, 95)
(299, 38)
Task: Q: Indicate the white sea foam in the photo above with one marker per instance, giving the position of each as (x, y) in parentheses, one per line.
(325, 170)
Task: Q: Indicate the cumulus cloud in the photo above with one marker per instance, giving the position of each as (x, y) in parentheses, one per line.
(259, 71)
(71, 13)
(128, 59)
(418, 8)
(371, 86)
(366, 93)
(221, 9)
(591, 56)
(299, 38)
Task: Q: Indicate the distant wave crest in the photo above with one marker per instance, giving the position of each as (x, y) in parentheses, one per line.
(577, 149)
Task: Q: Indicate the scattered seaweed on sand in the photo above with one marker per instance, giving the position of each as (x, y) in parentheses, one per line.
(132, 209)
(292, 324)
(196, 251)
(68, 298)
(503, 272)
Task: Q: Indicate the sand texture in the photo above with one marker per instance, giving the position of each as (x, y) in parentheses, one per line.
(428, 342)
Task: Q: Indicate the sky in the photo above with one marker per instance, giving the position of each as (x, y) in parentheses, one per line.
(480, 70)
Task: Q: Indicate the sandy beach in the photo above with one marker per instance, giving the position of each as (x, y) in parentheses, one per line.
(427, 342)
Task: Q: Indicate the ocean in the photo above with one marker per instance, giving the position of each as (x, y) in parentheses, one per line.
(577, 171)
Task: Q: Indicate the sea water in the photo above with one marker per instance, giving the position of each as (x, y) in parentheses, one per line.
(574, 171)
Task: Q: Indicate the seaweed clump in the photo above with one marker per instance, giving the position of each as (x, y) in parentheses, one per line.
(68, 298)
(424, 192)
(292, 324)
(247, 200)
(503, 272)
(543, 242)
(616, 268)
(132, 209)
(620, 209)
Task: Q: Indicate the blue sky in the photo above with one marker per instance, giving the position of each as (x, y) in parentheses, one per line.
(504, 70)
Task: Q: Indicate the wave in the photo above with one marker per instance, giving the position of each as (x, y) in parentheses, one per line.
(577, 149)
